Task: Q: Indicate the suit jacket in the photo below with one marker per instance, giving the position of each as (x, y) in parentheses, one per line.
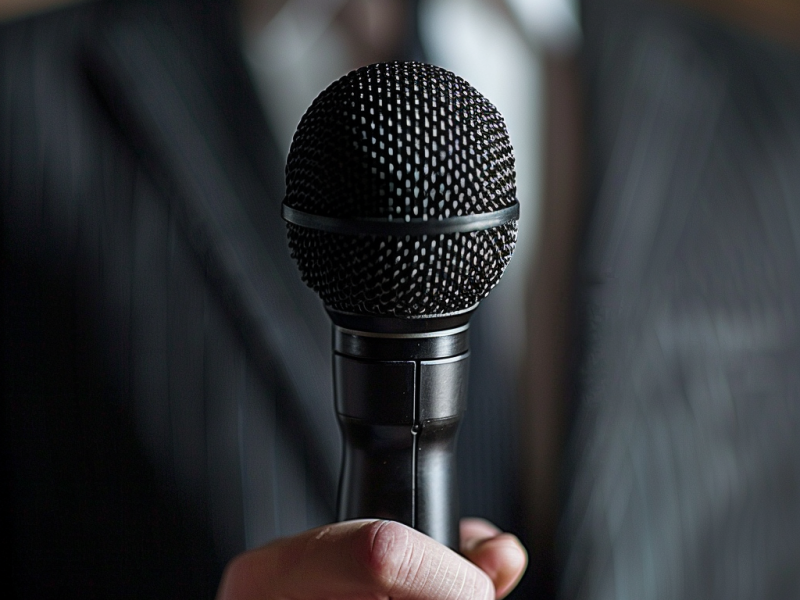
(167, 384)
(167, 392)
(686, 453)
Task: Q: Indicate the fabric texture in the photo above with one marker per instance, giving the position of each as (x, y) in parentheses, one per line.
(167, 382)
(685, 449)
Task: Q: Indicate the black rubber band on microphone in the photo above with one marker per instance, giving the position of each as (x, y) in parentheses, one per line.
(401, 227)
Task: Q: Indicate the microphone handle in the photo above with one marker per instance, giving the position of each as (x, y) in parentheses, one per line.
(400, 401)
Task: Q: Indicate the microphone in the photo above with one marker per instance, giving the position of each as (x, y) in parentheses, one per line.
(402, 215)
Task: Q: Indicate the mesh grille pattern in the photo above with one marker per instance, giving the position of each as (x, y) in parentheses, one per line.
(400, 141)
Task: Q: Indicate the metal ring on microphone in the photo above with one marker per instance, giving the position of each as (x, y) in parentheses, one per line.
(385, 226)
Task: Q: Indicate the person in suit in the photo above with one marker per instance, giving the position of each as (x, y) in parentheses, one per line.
(679, 394)
(165, 372)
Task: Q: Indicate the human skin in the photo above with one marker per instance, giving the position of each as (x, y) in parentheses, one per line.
(375, 559)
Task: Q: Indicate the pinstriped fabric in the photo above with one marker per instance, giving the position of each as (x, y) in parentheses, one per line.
(158, 338)
(686, 479)
(227, 212)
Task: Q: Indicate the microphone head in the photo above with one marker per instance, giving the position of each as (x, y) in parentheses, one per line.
(400, 193)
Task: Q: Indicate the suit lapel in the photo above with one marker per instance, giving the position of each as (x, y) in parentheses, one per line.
(196, 125)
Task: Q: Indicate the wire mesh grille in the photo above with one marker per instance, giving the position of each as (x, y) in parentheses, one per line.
(401, 141)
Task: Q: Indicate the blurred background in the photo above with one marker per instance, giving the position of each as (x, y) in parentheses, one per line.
(635, 411)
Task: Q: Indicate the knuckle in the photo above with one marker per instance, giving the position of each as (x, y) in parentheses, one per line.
(401, 563)
(390, 557)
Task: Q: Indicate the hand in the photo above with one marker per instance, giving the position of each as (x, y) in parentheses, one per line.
(377, 559)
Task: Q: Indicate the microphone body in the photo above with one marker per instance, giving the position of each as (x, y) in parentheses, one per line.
(400, 396)
(402, 215)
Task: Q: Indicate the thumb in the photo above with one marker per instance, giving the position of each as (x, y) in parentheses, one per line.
(355, 559)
